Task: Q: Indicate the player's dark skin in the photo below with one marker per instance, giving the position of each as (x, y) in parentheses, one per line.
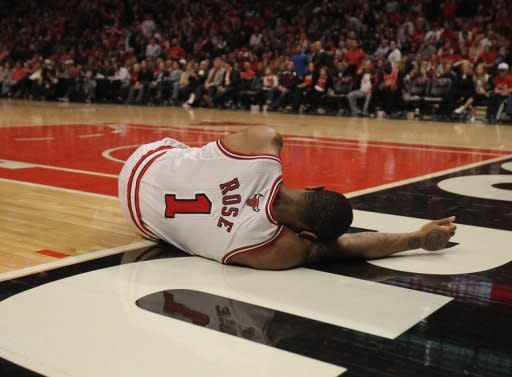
(299, 246)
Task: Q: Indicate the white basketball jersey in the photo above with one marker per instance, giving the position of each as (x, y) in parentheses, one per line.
(207, 201)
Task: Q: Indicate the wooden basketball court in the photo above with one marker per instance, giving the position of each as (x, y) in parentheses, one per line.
(48, 216)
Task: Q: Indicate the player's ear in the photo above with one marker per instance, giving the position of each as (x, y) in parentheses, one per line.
(315, 188)
(306, 234)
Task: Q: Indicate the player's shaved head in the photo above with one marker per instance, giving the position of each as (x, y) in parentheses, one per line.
(328, 214)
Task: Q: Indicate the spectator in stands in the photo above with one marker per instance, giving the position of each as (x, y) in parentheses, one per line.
(5, 76)
(153, 49)
(382, 50)
(46, 82)
(364, 76)
(88, 87)
(354, 57)
(248, 82)
(213, 81)
(12, 84)
(502, 91)
(196, 84)
(17, 78)
(169, 78)
(123, 75)
(304, 88)
(287, 82)
(319, 56)
(395, 56)
(502, 56)
(386, 94)
(182, 87)
(256, 38)
(458, 97)
(175, 51)
(229, 86)
(479, 95)
(270, 82)
(160, 86)
(148, 26)
(136, 87)
(300, 61)
(321, 85)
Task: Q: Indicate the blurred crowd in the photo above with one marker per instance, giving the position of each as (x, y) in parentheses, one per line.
(354, 57)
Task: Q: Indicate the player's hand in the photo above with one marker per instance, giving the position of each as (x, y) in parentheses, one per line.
(436, 234)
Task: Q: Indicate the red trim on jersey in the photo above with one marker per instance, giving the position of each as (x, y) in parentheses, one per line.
(255, 247)
(129, 187)
(244, 156)
(269, 207)
(136, 193)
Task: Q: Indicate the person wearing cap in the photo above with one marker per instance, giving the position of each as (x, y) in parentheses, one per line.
(502, 91)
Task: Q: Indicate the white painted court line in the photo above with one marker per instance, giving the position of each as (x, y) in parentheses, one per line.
(60, 168)
(353, 194)
(365, 144)
(45, 138)
(85, 136)
(107, 154)
(74, 260)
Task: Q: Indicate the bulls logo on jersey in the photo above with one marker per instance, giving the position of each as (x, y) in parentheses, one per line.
(254, 202)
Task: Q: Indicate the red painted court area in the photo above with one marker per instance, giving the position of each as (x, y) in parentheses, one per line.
(89, 157)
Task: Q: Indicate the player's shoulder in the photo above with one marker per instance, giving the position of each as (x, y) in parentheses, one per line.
(255, 140)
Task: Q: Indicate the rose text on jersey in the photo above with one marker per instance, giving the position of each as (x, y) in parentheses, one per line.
(228, 201)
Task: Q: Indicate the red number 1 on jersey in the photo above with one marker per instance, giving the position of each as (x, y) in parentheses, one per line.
(200, 205)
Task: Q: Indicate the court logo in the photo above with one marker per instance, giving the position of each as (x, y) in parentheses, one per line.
(254, 202)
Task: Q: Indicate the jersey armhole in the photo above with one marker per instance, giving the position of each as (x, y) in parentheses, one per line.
(244, 156)
(255, 247)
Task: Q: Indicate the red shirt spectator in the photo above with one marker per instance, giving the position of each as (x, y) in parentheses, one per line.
(247, 74)
(354, 56)
(176, 52)
(18, 74)
(502, 82)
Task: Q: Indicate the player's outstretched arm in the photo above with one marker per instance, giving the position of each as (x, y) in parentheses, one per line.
(370, 245)
(290, 250)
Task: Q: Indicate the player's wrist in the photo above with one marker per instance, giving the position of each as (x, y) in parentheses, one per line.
(416, 240)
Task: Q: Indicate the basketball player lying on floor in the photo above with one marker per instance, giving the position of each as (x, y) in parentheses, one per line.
(227, 201)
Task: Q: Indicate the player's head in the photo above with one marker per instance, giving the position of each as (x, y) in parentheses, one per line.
(326, 214)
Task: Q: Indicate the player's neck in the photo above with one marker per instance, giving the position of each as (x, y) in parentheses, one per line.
(287, 205)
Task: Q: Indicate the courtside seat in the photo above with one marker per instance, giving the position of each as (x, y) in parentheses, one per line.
(417, 90)
(338, 96)
(438, 90)
(249, 95)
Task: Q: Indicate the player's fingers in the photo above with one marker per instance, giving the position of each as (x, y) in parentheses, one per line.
(448, 228)
(446, 220)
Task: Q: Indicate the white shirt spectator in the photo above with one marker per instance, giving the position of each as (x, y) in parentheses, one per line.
(366, 83)
(123, 75)
(147, 27)
(255, 39)
(153, 50)
(433, 36)
(395, 57)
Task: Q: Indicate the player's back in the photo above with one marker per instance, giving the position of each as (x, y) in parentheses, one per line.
(207, 201)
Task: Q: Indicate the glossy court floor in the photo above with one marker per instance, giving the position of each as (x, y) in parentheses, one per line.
(82, 295)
